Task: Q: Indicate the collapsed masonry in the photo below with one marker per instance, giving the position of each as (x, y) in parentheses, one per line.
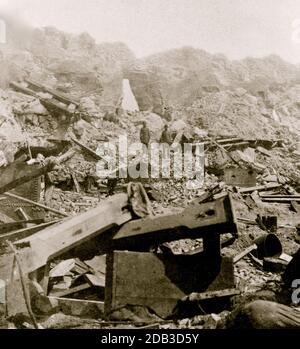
(86, 262)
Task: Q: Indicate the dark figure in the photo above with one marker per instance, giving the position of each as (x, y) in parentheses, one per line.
(111, 186)
(166, 136)
(145, 134)
(167, 114)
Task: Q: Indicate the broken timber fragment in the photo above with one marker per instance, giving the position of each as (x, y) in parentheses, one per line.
(244, 253)
(228, 143)
(71, 290)
(274, 265)
(40, 88)
(11, 195)
(267, 245)
(87, 149)
(69, 306)
(18, 173)
(7, 227)
(236, 145)
(53, 103)
(212, 294)
(263, 151)
(280, 198)
(23, 233)
(23, 215)
(260, 188)
(226, 152)
(51, 242)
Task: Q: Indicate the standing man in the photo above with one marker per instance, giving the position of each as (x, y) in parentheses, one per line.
(166, 136)
(145, 134)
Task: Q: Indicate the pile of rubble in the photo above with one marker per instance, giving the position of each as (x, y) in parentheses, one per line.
(72, 246)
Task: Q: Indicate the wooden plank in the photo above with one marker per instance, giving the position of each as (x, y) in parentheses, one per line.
(23, 215)
(71, 290)
(54, 93)
(47, 208)
(259, 188)
(46, 278)
(244, 253)
(8, 227)
(279, 200)
(77, 186)
(230, 140)
(149, 327)
(96, 280)
(226, 152)
(25, 232)
(87, 149)
(212, 294)
(48, 103)
(235, 145)
(77, 307)
(271, 196)
(263, 151)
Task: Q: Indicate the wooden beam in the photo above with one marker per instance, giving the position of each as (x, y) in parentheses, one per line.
(87, 149)
(273, 196)
(54, 93)
(8, 227)
(280, 200)
(25, 232)
(47, 208)
(226, 152)
(212, 294)
(244, 253)
(53, 241)
(260, 188)
(71, 290)
(71, 306)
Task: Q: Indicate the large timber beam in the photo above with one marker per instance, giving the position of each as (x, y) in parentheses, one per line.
(37, 250)
(198, 220)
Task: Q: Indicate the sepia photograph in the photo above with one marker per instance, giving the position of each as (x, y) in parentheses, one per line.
(149, 167)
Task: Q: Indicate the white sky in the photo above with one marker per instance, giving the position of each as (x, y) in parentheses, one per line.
(237, 28)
